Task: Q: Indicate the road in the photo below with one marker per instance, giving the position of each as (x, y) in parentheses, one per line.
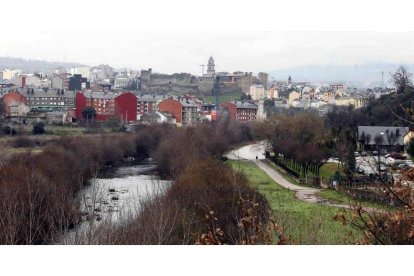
(306, 194)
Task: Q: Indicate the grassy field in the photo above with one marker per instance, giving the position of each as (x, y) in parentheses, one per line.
(328, 170)
(223, 98)
(302, 223)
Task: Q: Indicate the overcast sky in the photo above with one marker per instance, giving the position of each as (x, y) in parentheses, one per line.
(179, 36)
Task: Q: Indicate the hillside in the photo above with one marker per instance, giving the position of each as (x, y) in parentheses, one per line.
(29, 65)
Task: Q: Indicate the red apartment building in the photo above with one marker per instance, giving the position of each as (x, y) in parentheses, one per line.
(184, 111)
(108, 104)
(240, 111)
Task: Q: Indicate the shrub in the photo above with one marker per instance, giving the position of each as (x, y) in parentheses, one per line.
(9, 131)
(23, 142)
(38, 128)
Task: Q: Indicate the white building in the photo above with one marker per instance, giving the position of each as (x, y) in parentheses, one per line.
(81, 70)
(8, 74)
(121, 82)
(257, 92)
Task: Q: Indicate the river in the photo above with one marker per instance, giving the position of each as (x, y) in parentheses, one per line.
(113, 199)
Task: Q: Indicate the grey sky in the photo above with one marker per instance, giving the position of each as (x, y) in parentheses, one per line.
(178, 36)
(185, 51)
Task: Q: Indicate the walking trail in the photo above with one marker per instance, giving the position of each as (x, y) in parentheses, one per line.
(255, 153)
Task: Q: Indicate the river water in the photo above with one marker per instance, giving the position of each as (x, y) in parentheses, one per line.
(114, 199)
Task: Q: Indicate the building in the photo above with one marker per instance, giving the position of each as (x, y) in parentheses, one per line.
(10, 101)
(78, 83)
(48, 100)
(60, 81)
(107, 104)
(121, 82)
(257, 92)
(263, 78)
(17, 110)
(337, 86)
(8, 74)
(408, 136)
(184, 83)
(376, 137)
(211, 67)
(5, 84)
(292, 97)
(272, 93)
(347, 101)
(27, 80)
(240, 111)
(148, 103)
(84, 71)
(184, 111)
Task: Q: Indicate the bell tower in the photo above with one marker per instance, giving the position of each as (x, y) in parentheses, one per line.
(210, 67)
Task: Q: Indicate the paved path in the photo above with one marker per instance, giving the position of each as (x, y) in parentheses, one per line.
(306, 194)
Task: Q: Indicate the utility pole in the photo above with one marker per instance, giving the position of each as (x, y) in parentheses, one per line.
(382, 79)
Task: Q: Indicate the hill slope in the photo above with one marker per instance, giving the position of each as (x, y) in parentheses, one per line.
(30, 66)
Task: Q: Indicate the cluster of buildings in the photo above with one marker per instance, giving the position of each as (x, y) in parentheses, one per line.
(130, 95)
(64, 106)
(62, 96)
(303, 95)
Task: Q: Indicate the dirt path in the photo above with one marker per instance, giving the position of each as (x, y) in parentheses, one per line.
(307, 194)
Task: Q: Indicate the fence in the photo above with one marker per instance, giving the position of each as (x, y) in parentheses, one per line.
(308, 175)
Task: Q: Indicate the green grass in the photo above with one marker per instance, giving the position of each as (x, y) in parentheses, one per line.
(64, 130)
(223, 98)
(340, 197)
(302, 222)
(328, 170)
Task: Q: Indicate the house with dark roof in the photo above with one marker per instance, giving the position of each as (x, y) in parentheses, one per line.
(375, 137)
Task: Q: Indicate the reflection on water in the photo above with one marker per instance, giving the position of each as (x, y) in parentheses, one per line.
(115, 199)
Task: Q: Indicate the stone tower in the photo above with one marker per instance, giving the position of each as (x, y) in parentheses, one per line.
(210, 67)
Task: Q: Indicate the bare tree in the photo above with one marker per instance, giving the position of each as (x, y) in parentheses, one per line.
(401, 79)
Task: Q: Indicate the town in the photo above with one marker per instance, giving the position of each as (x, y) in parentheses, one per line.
(142, 96)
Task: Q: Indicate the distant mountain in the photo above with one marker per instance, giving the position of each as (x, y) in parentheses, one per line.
(362, 74)
(30, 65)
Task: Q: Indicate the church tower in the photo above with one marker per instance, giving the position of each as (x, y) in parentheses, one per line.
(210, 67)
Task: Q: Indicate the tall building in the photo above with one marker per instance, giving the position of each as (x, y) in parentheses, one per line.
(210, 67)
